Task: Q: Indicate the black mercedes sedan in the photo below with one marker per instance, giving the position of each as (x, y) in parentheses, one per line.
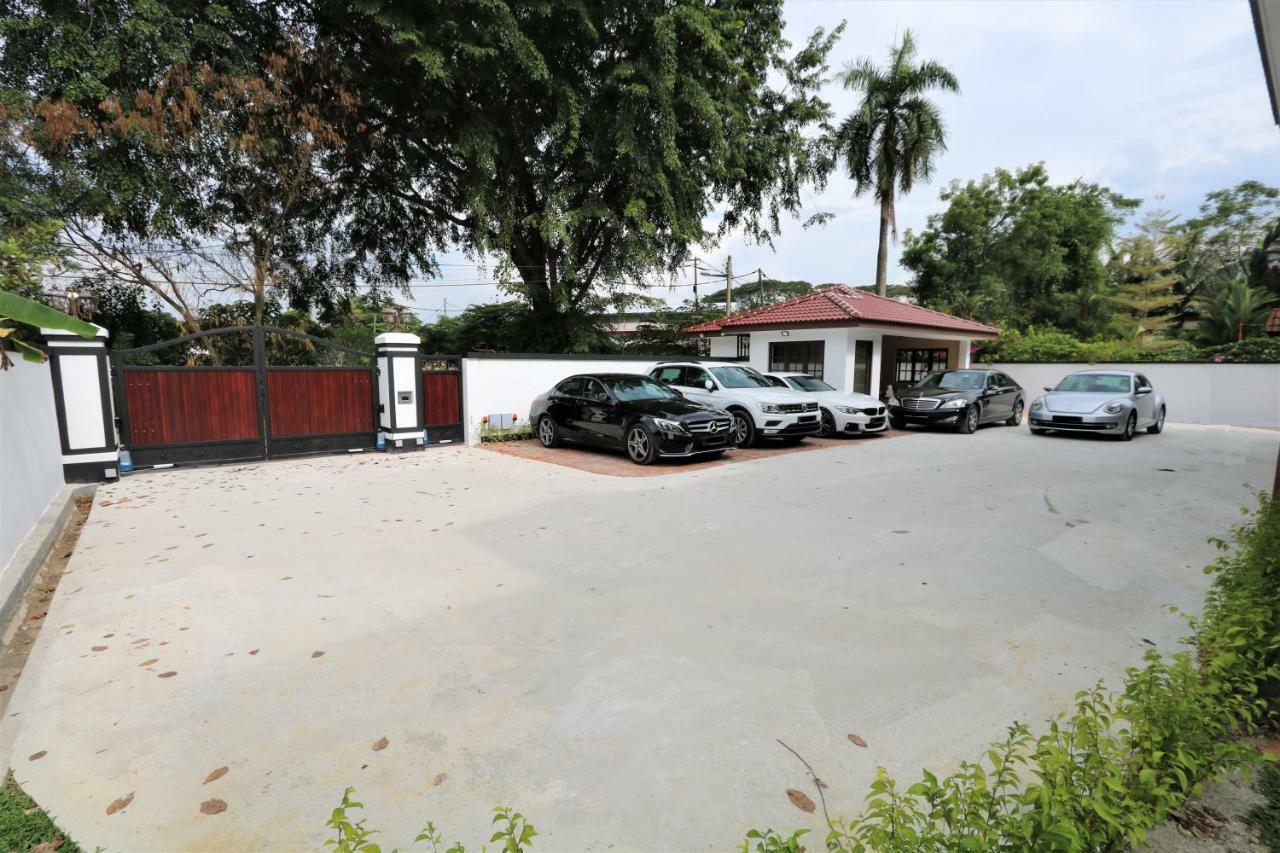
(964, 399)
(629, 412)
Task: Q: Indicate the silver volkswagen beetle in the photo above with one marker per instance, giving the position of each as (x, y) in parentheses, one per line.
(1110, 402)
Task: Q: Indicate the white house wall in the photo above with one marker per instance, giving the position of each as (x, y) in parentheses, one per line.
(837, 351)
(30, 452)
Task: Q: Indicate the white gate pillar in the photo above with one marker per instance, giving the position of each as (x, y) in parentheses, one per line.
(82, 396)
(399, 391)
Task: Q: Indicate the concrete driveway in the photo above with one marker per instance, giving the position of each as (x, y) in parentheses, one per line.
(613, 656)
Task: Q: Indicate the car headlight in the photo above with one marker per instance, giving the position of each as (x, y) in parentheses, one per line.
(670, 426)
(1038, 404)
(1115, 407)
(958, 403)
(769, 408)
(848, 410)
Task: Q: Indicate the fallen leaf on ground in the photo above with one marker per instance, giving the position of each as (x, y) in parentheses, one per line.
(99, 648)
(857, 741)
(212, 807)
(800, 800)
(439, 780)
(380, 744)
(317, 654)
(169, 674)
(253, 651)
(48, 846)
(119, 804)
(215, 775)
(36, 756)
(149, 662)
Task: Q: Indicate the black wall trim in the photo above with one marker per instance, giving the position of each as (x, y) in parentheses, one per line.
(87, 472)
(543, 356)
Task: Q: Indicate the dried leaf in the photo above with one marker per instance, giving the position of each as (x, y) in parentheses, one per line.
(800, 800)
(169, 674)
(149, 662)
(215, 775)
(439, 780)
(99, 649)
(857, 741)
(380, 744)
(119, 804)
(213, 807)
(253, 651)
(317, 654)
(36, 756)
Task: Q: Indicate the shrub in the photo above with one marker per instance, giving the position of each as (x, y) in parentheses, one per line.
(1051, 345)
(513, 833)
(1117, 764)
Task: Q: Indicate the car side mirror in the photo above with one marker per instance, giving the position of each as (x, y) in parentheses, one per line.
(709, 385)
(1047, 388)
(1143, 391)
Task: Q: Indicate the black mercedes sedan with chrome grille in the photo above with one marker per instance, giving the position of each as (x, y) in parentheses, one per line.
(964, 399)
(629, 412)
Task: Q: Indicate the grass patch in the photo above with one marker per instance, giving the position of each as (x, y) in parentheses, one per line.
(25, 826)
(1266, 817)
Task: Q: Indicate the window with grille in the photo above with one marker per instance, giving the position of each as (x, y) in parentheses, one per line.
(797, 357)
(916, 364)
(744, 346)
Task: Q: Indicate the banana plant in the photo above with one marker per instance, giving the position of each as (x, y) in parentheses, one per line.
(19, 309)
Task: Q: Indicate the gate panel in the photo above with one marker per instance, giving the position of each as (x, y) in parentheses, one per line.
(442, 398)
(318, 402)
(188, 405)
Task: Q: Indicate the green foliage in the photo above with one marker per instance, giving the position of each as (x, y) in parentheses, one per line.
(1115, 766)
(1014, 250)
(1265, 818)
(1054, 345)
(891, 140)
(768, 841)
(1142, 269)
(497, 434)
(37, 315)
(24, 825)
(1238, 310)
(513, 833)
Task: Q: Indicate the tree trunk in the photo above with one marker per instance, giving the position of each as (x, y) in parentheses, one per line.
(882, 255)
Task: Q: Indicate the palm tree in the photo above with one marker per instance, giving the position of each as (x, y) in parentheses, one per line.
(1234, 314)
(890, 142)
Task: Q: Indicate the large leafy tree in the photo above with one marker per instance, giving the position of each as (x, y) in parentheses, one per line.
(584, 144)
(1015, 249)
(890, 142)
(1143, 269)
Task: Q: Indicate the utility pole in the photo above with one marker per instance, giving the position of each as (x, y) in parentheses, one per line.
(728, 286)
(695, 284)
(760, 300)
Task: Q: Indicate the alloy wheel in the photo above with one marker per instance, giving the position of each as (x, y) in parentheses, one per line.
(638, 444)
(1130, 426)
(546, 432)
(741, 429)
(827, 425)
(971, 418)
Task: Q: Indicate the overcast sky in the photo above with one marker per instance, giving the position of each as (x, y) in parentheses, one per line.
(1150, 97)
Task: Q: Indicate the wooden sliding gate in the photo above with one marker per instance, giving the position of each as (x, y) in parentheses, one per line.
(243, 393)
(442, 398)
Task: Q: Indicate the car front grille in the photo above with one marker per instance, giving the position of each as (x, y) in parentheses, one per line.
(922, 403)
(792, 408)
(873, 410)
(711, 426)
(875, 423)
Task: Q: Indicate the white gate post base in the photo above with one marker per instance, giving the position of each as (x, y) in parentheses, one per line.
(399, 392)
(82, 397)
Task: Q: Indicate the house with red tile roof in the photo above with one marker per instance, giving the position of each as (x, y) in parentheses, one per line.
(847, 336)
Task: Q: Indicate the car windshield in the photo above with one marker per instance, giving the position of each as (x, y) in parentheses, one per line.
(808, 383)
(954, 380)
(739, 377)
(629, 388)
(1094, 383)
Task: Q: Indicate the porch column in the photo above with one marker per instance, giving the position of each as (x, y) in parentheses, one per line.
(399, 391)
(965, 348)
(82, 397)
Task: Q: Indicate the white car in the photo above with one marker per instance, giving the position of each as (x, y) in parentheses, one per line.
(846, 414)
(759, 408)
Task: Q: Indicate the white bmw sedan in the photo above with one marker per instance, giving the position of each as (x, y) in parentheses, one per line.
(843, 413)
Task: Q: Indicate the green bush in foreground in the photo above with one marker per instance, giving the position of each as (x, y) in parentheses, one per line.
(24, 825)
(1114, 767)
(513, 833)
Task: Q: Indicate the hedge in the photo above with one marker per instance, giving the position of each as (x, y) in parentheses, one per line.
(1116, 765)
(1050, 345)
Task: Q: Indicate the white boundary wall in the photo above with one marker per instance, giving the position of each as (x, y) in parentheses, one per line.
(509, 383)
(30, 453)
(1230, 394)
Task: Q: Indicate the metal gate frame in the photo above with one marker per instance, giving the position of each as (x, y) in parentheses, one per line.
(454, 433)
(264, 445)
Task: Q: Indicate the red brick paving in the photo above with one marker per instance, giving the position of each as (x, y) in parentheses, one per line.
(616, 464)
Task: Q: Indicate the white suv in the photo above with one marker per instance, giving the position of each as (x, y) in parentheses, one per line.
(759, 409)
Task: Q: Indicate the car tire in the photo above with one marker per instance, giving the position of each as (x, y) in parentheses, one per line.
(971, 419)
(548, 432)
(828, 426)
(744, 430)
(1016, 418)
(897, 423)
(1130, 427)
(1157, 427)
(641, 446)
